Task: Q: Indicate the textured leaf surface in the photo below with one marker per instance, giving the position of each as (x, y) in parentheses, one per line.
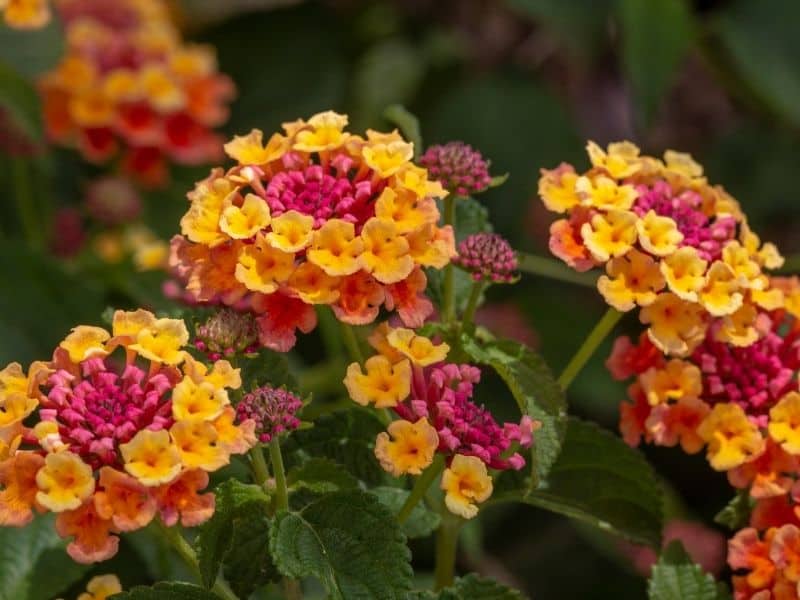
(736, 513)
(235, 501)
(248, 564)
(349, 541)
(420, 523)
(597, 479)
(534, 388)
(268, 368)
(321, 475)
(676, 577)
(166, 591)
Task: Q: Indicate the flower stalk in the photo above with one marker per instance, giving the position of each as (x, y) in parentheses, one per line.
(446, 549)
(589, 346)
(448, 286)
(421, 486)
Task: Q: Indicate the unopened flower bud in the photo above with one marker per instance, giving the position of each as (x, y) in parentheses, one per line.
(460, 169)
(274, 411)
(488, 257)
(226, 333)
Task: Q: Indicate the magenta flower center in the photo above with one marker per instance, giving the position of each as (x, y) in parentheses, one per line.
(102, 409)
(274, 411)
(707, 234)
(324, 191)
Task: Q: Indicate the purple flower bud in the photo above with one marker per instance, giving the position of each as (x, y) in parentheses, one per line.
(460, 169)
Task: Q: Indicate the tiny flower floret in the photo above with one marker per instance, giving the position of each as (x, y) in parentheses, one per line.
(407, 448)
(466, 483)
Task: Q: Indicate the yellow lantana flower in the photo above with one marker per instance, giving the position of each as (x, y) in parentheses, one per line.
(384, 384)
(388, 158)
(386, 253)
(633, 279)
(658, 235)
(313, 285)
(85, 342)
(101, 587)
(721, 294)
(335, 248)
(677, 379)
(685, 273)
(784, 422)
(197, 444)
(64, 482)
(621, 159)
(406, 209)
(262, 268)
(249, 149)
(417, 348)
(466, 483)
(557, 188)
(610, 234)
(604, 193)
(25, 14)
(731, 437)
(243, 222)
(191, 400)
(325, 133)
(431, 246)
(201, 222)
(410, 449)
(291, 231)
(163, 341)
(676, 326)
(151, 457)
(683, 164)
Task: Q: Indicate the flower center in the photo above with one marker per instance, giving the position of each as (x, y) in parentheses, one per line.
(707, 234)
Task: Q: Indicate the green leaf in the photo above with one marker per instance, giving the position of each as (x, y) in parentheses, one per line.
(759, 40)
(248, 564)
(599, 480)
(32, 52)
(166, 591)
(737, 512)
(23, 551)
(534, 388)
(321, 475)
(407, 122)
(20, 112)
(499, 180)
(676, 577)
(420, 523)
(471, 587)
(349, 542)
(267, 368)
(234, 501)
(646, 24)
(346, 437)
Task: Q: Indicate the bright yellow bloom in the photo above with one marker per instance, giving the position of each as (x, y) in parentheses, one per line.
(64, 482)
(633, 279)
(386, 254)
(101, 587)
(163, 341)
(731, 437)
(243, 222)
(685, 273)
(232, 437)
(151, 256)
(610, 234)
(200, 224)
(683, 164)
(191, 400)
(604, 193)
(85, 342)
(335, 248)
(746, 270)
(151, 457)
(466, 483)
(384, 384)
(326, 133)
(431, 246)
(415, 179)
(262, 268)
(130, 323)
(739, 328)
(676, 380)
(388, 158)
(249, 150)
(557, 188)
(313, 285)
(784, 422)
(676, 326)
(721, 294)
(161, 89)
(658, 235)
(621, 160)
(223, 375)
(406, 210)
(417, 348)
(25, 14)
(291, 231)
(14, 407)
(13, 380)
(197, 443)
(410, 449)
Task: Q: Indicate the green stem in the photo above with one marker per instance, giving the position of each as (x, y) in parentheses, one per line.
(260, 471)
(552, 269)
(446, 546)
(448, 287)
(329, 331)
(291, 587)
(23, 194)
(587, 349)
(189, 556)
(472, 304)
(351, 343)
(421, 486)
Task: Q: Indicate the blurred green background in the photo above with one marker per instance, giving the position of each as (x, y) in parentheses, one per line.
(524, 81)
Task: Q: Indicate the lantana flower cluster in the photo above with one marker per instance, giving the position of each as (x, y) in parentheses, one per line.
(128, 86)
(436, 414)
(25, 14)
(670, 242)
(313, 216)
(124, 427)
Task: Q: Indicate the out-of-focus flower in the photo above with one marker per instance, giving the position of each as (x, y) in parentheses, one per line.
(272, 410)
(671, 243)
(112, 200)
(101, 587)
(466, 483)
(115, 444)
(767, 563)
(25, 14)
(488, 257)
(227, 333)
(314, 215)
(458, 167)
(68, 233)
(128, 86)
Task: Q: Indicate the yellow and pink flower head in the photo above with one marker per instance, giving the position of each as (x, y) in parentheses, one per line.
(671, 243)
(436, 414)
(129, 87)
(314, 215)
(121, 436)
